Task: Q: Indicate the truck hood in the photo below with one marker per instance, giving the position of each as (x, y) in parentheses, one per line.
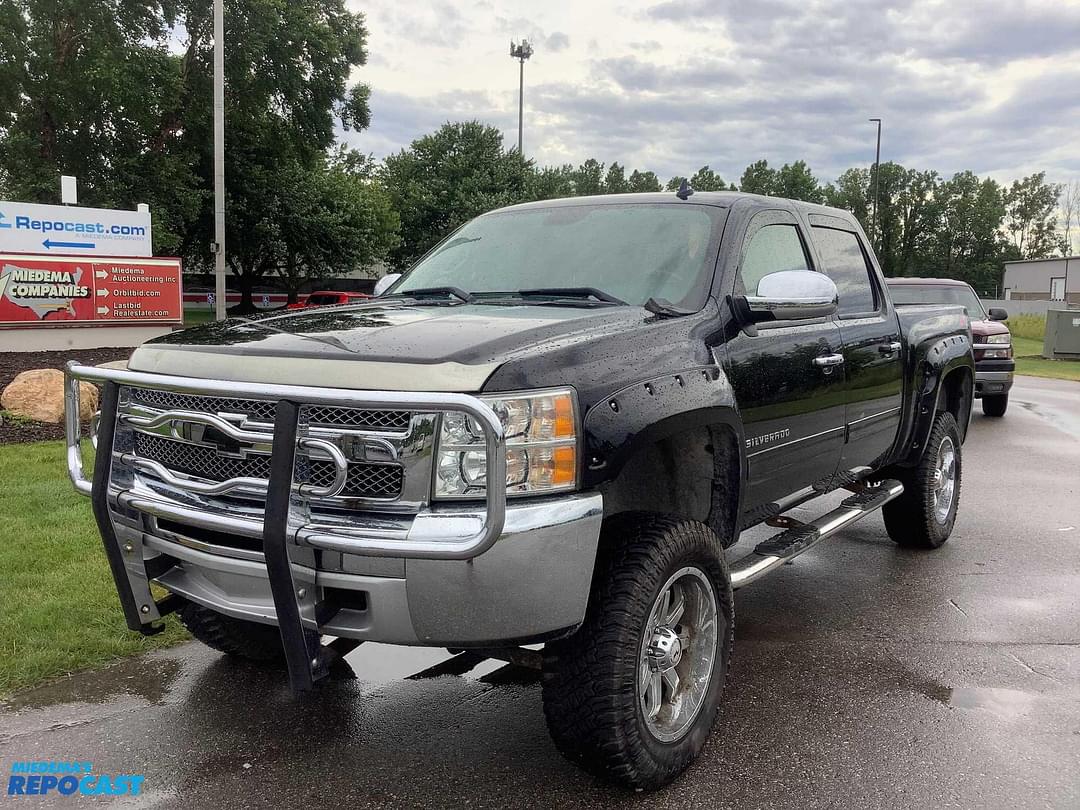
(985, 328)
(392, 345)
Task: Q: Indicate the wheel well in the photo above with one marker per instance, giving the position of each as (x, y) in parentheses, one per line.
(956, 397)
(694, 474)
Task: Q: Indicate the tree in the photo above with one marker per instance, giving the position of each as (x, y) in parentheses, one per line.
(588, 178)
(1070, 216)
(758, 178)
(644, 181)
(551, 182)
(331, 220)
(444, 179)
(287, 69)
(674, 183)
(705, 179)
(851, 192)
(967, 243)
(795, 181)
(84, 90)
(1029, 216)
(615, 180)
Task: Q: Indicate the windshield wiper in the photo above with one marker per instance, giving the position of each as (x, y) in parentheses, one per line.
(571, 292)
(422, 291)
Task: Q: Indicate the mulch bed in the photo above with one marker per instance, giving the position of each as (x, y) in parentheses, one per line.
(12, 363)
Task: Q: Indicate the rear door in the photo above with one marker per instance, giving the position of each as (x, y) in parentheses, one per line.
(872, 347)
(788, 376)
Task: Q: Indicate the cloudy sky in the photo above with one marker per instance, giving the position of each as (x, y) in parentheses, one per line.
(670, 85)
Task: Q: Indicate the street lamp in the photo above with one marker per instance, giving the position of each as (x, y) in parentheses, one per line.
(521, 53)
(219, 160)
(877, 184)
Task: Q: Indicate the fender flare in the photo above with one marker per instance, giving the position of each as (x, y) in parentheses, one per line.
(935, 361)
(643, 413)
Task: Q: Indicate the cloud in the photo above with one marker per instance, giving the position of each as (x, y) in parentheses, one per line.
(676, 84)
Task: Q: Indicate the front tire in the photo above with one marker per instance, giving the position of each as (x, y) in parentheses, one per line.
(995, 405)
(241, 639)
(633, 695)
(923, 516)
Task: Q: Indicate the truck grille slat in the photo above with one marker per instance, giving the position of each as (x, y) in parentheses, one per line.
(364, 480)
(260, 410)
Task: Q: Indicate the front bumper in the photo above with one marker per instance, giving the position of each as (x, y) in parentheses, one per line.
(993, 377)
(489, 574)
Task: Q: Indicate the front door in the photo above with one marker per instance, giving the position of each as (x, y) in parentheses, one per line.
(870, 331)
(787, 376)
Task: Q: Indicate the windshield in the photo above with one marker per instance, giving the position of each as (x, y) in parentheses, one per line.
(630, 252)
(939, 294)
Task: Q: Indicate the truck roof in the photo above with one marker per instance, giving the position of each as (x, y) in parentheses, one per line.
(720, 199)
(911, 281)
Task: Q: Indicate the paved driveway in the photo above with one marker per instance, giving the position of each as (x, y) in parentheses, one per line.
(864, 676)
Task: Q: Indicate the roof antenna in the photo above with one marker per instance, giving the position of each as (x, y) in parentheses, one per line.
(684, 190)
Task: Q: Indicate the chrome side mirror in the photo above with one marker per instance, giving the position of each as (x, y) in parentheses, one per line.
(384, 283)
(790, 295)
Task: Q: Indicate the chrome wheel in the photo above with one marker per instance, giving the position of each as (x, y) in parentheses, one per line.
(677, 654)
(944, 480)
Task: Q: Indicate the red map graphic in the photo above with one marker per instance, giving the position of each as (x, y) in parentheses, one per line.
(94, 289)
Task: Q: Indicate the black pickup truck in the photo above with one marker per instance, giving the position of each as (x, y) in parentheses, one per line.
(548, 431)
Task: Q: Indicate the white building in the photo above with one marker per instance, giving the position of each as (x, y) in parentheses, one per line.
(1055, 279)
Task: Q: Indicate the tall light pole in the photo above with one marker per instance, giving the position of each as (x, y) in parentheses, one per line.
(521, 53)
(219, 160)
(877, 184)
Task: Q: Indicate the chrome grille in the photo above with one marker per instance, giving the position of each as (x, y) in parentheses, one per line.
(262, 410)
(364, 480)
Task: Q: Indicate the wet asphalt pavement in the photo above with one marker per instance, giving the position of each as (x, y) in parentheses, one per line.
(864, 676)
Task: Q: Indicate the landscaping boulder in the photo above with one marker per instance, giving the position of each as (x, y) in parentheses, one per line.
(39, 395)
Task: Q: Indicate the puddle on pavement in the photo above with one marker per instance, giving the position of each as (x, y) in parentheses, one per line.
(382, 664)
(149, 680)
(1008, 704)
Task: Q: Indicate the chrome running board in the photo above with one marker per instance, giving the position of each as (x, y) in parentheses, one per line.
(800, 537)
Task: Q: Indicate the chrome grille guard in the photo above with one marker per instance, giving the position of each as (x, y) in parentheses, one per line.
(465, 541)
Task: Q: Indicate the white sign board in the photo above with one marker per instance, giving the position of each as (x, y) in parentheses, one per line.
(67, 230)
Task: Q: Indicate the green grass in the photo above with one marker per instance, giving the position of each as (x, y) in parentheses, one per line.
(194, 317)
(1029, 360)
(59, 611)
(1028, 326)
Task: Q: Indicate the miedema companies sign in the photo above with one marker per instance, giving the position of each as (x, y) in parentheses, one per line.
(88, 289)
(62, 229)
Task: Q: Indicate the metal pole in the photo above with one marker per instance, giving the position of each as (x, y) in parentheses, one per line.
(219, 160)
(874, 221)
(521, 104)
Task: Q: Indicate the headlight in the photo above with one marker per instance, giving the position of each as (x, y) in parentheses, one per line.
(1005, 337)
(996, 354)
(541, 447)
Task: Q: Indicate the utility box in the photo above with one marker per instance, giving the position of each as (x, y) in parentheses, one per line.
(1062, 341)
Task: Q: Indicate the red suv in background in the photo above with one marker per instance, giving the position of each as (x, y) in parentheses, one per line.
(994, 364)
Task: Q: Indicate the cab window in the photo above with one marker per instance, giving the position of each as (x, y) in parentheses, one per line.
(771, 249)
(844, 261)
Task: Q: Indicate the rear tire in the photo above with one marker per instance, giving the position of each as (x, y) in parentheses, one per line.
(923, 516)
(619, 695)
(995, 405)
(241, 639)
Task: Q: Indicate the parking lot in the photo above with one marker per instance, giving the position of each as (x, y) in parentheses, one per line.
(863, 675)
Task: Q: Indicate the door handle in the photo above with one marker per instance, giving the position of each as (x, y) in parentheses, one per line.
(890, 348)
(829, 360)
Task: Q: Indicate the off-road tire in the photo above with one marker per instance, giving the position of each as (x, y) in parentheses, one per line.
(911, 519)
(590, 691)
(248, 640)
(995, 405)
